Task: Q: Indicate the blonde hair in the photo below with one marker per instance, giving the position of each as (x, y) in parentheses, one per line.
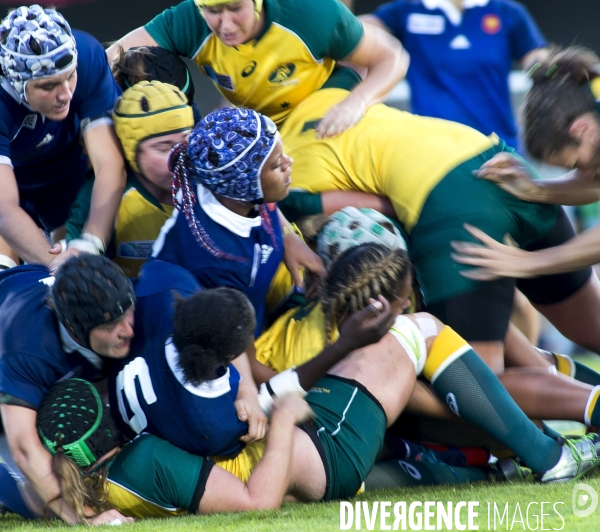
(79, 489)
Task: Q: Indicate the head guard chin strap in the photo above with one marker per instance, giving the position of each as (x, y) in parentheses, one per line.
(147, 110)
(227, 151)
(35, 43)
(88, 291)
(258, 4)
(72, 420)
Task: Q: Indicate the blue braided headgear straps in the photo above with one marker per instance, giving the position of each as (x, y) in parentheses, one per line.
(225, 153)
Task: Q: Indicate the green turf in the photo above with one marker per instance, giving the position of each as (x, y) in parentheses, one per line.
(326, 516)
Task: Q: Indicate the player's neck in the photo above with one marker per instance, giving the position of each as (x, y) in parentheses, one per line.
(242, 208)
(458, 4)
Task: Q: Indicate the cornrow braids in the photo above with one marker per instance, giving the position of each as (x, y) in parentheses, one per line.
(559, 95)
(362, 272)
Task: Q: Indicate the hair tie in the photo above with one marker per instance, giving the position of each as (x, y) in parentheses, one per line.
(533, 69)
(551, 71)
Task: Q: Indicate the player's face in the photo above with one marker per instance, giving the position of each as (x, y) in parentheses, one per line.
(276, 175)
(234, 23)
(153, 158)
(52, 96)
(113, 340)
(584, 152)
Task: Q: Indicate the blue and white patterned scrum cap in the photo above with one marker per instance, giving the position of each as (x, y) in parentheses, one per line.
(227, 151)
(34, 43)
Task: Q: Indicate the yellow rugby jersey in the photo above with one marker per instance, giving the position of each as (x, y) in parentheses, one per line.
(294, 56)
(295, 338)
(139, 220)
(244, 463)
(407, 156)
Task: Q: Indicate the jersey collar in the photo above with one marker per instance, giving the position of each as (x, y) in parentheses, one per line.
(209, 389)
(214, 209)
(71, 346)
(453, 14)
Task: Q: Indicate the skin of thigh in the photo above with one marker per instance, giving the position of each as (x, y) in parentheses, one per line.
(578, 316)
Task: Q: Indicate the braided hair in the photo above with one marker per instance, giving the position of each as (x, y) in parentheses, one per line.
(225, 153)
(359, 273)
(77, 430)
(561, 93)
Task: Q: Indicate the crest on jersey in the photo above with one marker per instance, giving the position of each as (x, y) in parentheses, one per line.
(249, 68)
(282, 73)
(29, 121)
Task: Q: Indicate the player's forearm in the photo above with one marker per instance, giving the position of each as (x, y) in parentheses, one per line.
(137, 37)
(579, 252)
(270, 479)
(23, 235)
(572, 189)
(106, 198)
(386, 67)
(310, 372)
(335, 200)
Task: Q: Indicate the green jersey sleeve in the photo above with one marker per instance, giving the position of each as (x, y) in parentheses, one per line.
(327, 27)
(299, 203)
(179, 29)
(79, 211)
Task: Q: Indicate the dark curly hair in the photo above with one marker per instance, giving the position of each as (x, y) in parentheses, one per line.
(210, 329)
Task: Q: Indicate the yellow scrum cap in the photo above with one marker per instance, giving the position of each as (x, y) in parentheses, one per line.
(211, 3)
(149, 109)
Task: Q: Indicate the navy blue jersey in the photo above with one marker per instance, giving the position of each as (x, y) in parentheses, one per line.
(243, 237)
(32, 356)
(147, 389)
(460, 64)
(42, 150)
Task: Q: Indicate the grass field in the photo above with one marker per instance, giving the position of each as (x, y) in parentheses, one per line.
(326, 516)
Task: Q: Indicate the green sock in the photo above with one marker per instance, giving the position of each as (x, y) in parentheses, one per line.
(474, 393)
(571, 368)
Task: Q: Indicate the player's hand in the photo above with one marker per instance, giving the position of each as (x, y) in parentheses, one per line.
(494, 259)
(249, 410)
(295, 405)
(510, 175)
(110, 517)
(298, 256)
(367, 326)
(341, 117)
(61, 256)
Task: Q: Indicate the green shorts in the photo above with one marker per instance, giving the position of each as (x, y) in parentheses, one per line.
(350, 426)
(460, 197)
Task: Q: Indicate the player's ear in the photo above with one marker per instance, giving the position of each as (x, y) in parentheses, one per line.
(583, 125)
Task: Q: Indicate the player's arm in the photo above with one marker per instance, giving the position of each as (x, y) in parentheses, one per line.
(513, 175)
(386, 62)
(16, 226)
(137, 37)
(246, 403)
(269, 481)
(35, 462)
(335, 200)
(109, 169)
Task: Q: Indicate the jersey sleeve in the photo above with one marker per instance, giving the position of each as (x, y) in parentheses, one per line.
(26, 377)
(5, 135)
(299, 203)
(179, 29)
(96, 91)
(79, 211)
(391, 14)
(525, 35)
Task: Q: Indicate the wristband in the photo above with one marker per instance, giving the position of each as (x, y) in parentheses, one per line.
(285, 382)
(89, 243)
